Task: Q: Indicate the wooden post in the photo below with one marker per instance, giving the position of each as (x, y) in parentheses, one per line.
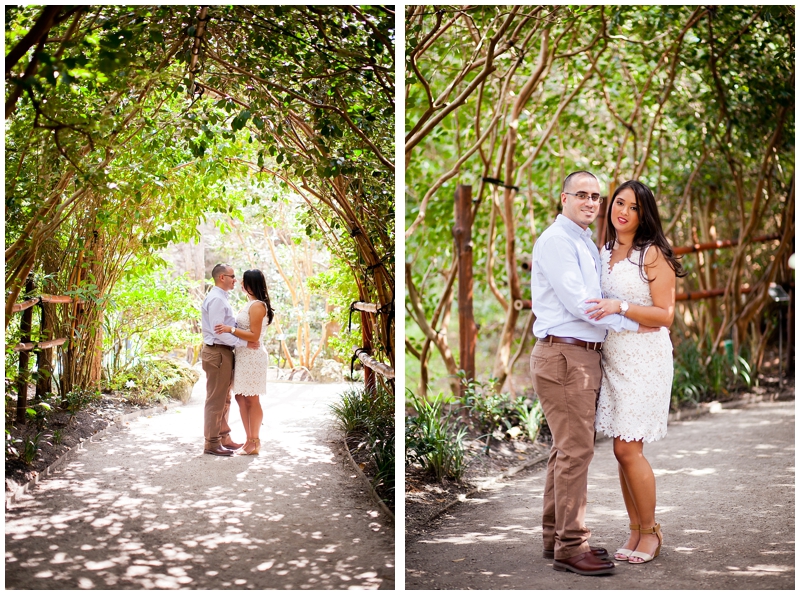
(600, 222)
(462, 232)
(790, 335)
(366, 338)
(44, 357)
(24, 356)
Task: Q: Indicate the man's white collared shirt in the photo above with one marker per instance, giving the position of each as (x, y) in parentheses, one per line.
(565, 272)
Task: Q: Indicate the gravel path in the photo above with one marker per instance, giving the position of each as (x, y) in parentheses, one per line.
(726, 505)
(144, 509)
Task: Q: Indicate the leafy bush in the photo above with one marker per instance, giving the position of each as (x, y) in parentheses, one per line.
(78, 399)
(39, 413)
(149, 314)
(30, 448)
(701, 375)
(486, 407)
(154, 381)
(490, 410)
(352, 413)
(432, 440)
(531, 419)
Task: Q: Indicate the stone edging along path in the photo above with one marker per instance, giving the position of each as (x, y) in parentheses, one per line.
(116, 424)
(684, 415)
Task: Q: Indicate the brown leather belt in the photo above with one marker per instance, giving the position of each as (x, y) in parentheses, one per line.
(597, 346)
(228, 347)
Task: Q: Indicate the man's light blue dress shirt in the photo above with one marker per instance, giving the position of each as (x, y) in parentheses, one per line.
(217, 310)
(565, 272)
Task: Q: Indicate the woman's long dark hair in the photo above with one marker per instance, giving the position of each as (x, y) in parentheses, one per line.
(649, 230)
(254, 282)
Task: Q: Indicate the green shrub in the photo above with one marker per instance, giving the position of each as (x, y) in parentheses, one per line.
(30, 448)
(432, 441)
(530, 419)
(382, 454)
(490, 410)
(701, 375)
(39, 412)
(155, 380)
(78, 399)
(149, 315)
(352, 412)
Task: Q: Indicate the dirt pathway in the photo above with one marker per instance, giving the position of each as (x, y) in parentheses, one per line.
(725, 503)
(144, 508)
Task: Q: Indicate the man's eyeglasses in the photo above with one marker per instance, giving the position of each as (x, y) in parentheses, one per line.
(231, 276)
(583, 196)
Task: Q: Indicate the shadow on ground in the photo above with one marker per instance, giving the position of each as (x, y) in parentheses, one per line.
(145, 509)
(725, 502)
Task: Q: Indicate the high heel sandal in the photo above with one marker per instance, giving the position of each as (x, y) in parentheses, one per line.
(257, 443)
(645, 557)
(622, 553)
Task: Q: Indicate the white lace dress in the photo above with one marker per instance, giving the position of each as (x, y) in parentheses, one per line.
(250, 368)
(637, 368)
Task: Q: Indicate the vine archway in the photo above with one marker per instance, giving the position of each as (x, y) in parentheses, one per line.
(124, 123)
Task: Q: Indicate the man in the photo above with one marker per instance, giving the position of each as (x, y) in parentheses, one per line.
(565, 366)
(217, 357)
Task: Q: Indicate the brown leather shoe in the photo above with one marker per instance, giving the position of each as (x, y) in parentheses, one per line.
(599, 552)
(233, 446)
(586, 563)
(218, 450)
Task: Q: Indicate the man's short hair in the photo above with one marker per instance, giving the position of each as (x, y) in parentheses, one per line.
(576, 174)
(219, 270)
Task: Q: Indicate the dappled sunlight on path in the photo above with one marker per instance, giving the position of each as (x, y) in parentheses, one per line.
(144, 508)
(725, 503)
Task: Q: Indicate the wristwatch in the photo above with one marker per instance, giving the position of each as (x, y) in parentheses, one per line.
(623, 308)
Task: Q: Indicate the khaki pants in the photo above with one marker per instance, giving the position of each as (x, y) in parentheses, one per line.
(218, 366)
(567, 380)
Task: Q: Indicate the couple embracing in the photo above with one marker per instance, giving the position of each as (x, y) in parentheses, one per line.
(602, 361)
(234, 360)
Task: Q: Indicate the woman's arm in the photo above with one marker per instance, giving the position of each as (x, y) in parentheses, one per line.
(257, 313)
(662, 290)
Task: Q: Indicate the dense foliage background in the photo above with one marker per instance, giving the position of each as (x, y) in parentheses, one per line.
(697, 102)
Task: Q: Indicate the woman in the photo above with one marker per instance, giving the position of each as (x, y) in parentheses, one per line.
(250, 373)
(638, 280)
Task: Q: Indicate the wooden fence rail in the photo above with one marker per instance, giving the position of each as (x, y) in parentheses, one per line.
(45, 299)
(43, 359)
(373, 364)
(363, 353)
(722, 244)
(40, 345)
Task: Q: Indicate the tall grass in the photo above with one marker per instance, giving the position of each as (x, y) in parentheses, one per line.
(432, 441)
(369, 418)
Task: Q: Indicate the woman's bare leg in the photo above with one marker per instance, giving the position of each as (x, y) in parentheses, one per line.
(641, 485)
(252, 415)
(244, 411)
(256, 416)
(630, 506)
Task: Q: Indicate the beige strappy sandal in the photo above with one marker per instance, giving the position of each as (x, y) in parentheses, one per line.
(255, 441)
(622, 553)
(644, 556)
